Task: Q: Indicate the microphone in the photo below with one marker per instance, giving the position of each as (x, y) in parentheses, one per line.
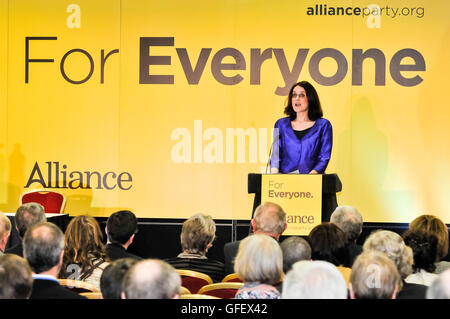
(275, 140)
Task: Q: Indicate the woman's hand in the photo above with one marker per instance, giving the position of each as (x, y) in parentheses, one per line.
(313, 172)
(274, 170)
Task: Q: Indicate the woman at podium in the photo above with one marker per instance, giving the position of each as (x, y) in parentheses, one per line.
(303, 140)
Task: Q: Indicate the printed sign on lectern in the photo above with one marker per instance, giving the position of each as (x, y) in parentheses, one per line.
(299, 195)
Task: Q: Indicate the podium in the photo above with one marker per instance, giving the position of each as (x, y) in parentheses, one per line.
(331, 184)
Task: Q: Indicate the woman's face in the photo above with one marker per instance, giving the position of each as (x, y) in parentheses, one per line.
(299, 100)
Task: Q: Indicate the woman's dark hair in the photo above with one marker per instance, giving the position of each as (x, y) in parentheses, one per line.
(314, 109)
(424, 247)
(329, 242)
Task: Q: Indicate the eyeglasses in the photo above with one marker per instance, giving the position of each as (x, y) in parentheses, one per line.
(295, 95)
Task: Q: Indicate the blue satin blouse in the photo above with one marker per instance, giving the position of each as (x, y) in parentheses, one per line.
(312, 152)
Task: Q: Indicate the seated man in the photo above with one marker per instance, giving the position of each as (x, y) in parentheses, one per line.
(26, 216)
(5, 231)
(120, 229)
(374, 276)
(16, 280)
(269, 219)
(350, 221)
(151, 279)
(112, 277)
(197, 235)
(43, 247)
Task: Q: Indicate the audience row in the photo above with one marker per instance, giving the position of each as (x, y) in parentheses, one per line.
(328, 263)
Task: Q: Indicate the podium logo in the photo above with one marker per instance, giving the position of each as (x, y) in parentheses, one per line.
(55, 175)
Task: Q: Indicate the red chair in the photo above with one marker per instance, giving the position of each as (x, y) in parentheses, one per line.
(53, 202)
(223, 290)
(232, 278)
(193, 280)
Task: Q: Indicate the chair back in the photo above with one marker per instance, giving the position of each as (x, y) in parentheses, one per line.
(184, 291)
(52, 201)
(92, 295)
(197, 296)
(232, 278)
(223, 290)
(193, 280)
(78, 286)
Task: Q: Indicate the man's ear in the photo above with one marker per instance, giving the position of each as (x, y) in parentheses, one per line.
(253, 222)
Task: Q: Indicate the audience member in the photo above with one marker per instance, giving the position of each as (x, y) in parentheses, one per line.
(394, 247)
(43, 247)
(294, 249)
(440, 288)
(314, 280)
(259, 263)
(84, 252)
(16, 279)
(26, 216)
(432, 225)
(112, 277)
(197, 236)
(350, 221)
(269, 219)
(374, 276)
(329, 242)
(5, 231)
(424, 247)
(121, 228)
(151, 279)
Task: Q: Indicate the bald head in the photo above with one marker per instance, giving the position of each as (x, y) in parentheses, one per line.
(151, 279)
(440, 288)
(269, 219)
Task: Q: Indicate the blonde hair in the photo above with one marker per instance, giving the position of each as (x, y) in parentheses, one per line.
(429, 224)
(197, 233)
(394, 247)
(259, 259)
(374, 276)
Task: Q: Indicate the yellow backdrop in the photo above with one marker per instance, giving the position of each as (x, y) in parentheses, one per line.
(81, 91)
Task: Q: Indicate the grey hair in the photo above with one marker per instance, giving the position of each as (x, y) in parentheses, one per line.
(28, 215)
(42, 246)
(294, 249)
(440, 288)
(314, 280)
(349, 220)
(151, 279)
(270, 223)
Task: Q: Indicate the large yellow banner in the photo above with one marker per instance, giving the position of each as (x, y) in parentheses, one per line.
(164, 107)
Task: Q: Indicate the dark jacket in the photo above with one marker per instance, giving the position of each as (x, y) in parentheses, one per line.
(116, 251)
(50, 289)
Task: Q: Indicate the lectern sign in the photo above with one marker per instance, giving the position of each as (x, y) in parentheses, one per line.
(299, 195)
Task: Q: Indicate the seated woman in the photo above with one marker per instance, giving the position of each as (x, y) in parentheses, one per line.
(84, 252)
(432, 225)
(329, 243)
(197, 236)
(424, 247)
(259, 263)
